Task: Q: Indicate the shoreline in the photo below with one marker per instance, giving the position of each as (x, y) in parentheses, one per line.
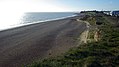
(31, 24)
(26, 24)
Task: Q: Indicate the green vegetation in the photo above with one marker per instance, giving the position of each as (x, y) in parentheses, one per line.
(104, 53)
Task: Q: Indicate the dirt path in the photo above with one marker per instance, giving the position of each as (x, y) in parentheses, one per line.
(84, 35)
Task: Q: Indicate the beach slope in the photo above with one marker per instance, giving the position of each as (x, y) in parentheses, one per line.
(26, 44)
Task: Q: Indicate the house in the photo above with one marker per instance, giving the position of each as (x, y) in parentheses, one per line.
(107, 12)
(115, 13)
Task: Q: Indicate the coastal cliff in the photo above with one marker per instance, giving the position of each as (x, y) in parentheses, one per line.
(100, 50)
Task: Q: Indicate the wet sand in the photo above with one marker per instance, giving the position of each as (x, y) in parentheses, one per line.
(26, 44)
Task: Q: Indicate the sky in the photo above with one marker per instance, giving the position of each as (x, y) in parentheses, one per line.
(57, 5)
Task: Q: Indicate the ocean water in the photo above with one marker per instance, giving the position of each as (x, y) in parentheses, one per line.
(33, 17)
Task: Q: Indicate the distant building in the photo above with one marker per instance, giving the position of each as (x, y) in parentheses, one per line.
(107, 12)
(115, 13)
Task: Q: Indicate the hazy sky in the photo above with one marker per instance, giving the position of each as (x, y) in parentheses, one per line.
(57, 5)
(12, 10)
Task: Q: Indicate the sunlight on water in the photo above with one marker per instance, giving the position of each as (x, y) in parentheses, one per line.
(12, 10)
(10, 14)
(9, 19)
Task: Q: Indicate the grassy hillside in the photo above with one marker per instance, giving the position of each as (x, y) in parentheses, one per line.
(104, 53)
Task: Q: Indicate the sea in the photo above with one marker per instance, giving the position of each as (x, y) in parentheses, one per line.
(32, 18)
